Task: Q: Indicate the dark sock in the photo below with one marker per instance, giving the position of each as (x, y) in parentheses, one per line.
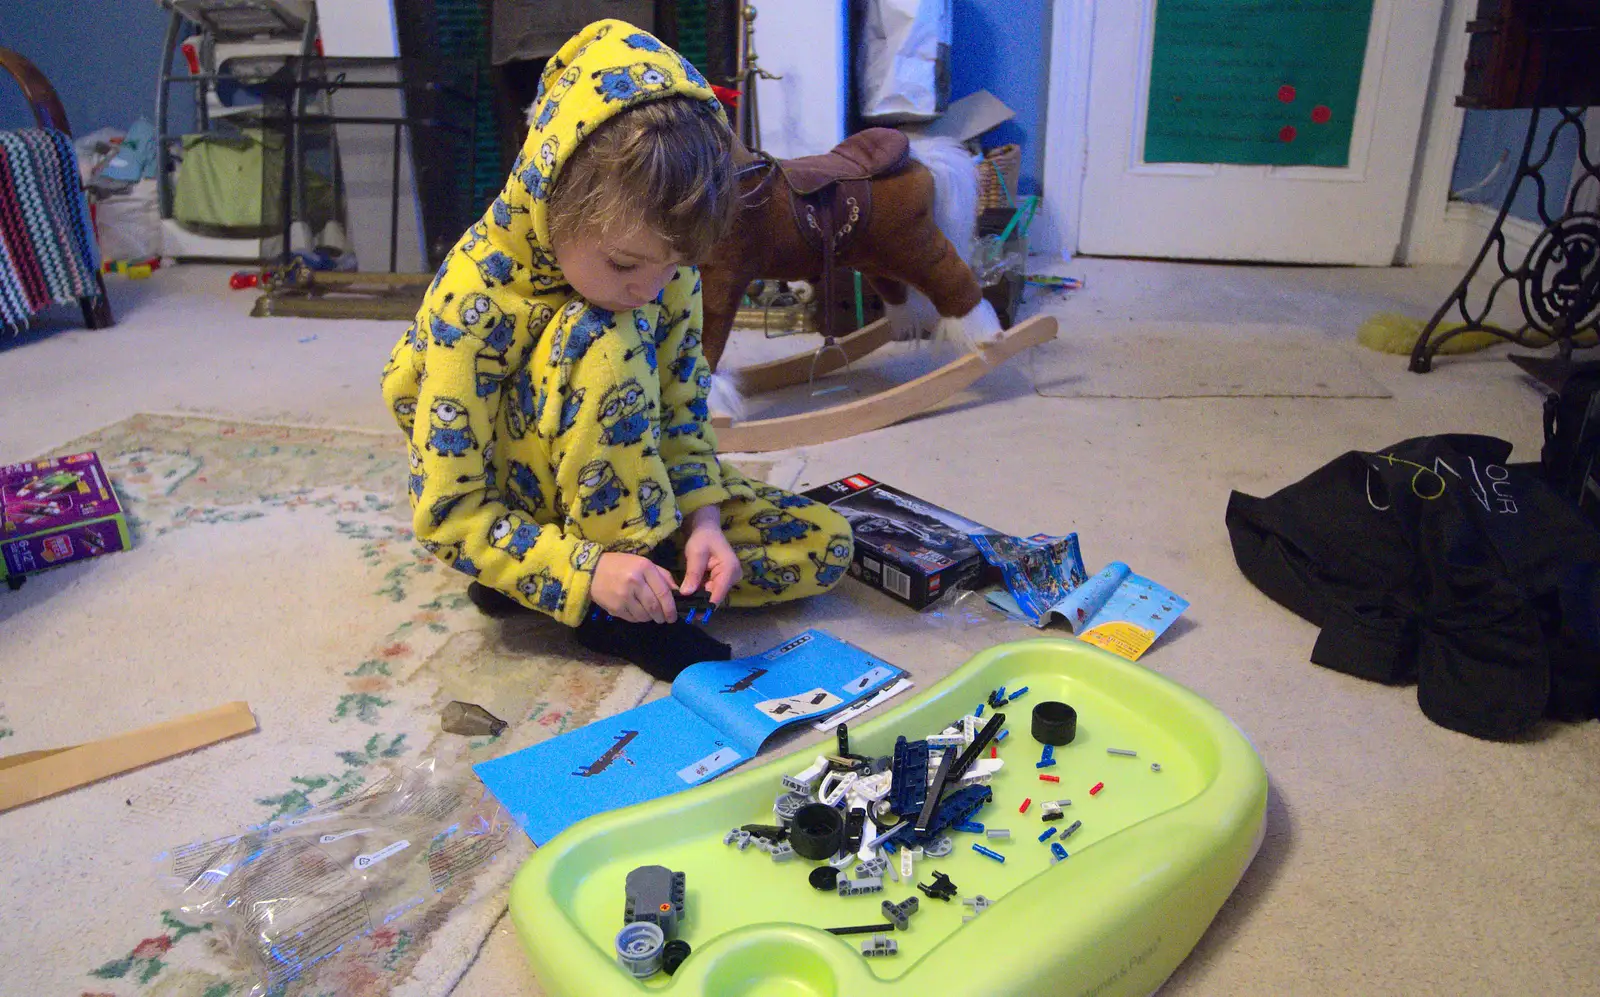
(493, 602)
(661, 649)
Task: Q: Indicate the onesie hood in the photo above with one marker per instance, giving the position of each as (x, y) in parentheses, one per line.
(600, 72)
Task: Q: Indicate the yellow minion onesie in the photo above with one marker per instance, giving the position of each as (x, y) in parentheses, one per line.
(545, 431)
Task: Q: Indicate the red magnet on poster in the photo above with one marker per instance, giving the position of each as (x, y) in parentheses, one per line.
(1287, 133)
(1321, 114)
(1286, 94)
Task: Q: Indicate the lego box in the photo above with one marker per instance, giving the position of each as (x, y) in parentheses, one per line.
(911, 549)
(56, 511)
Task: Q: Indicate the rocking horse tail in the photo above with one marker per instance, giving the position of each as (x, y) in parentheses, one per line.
(955, 209)
(955, 188)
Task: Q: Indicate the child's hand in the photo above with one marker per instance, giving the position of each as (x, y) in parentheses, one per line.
(709, 558)
(633, 588)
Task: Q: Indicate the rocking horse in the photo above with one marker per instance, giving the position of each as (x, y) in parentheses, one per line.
(867, 206)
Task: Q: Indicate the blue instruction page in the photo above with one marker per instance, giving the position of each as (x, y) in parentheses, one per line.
(720, 713)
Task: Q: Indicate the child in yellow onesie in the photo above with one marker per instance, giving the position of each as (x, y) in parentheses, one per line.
(553, 388)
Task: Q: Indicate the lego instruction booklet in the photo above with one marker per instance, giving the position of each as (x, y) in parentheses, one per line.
(1045, 578)
(719, 715)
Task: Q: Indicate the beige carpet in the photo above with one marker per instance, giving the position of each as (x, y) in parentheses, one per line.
(1399, 858)
(272, 564)
(1197, 360)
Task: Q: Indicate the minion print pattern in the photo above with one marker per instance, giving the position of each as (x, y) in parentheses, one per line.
(543, 430)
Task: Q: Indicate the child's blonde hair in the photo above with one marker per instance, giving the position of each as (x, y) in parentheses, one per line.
(666, 163)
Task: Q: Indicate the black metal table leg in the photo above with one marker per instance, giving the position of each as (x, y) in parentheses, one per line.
(1554, 284)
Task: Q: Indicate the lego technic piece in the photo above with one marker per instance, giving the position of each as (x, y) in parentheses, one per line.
(842, 861)
(855, 824)
(1044, 777)
(817, 832)
(860, 929)
(975, 749)
(858, 887)
(991, 853)
(1155, 766)
(1069, 831)
(639, 946)
(696, 608)
(970, 725)
(880, 945)
(956, 808)
(942, 888)
(737, 838)
(782, 852)
(824, 878)
(1057, 851)
(981, 771)
(805, 781)
(655, 894)
(935, 790)
(945, 741)
(908, 862)
(842, 734)
(1017, 695)
(870, 789)
(900, 913)
(789, 804)
(997, 698)
(1048, 834)
(771, 832)
(979, 904)
(1048, 815)
(994, 749)
(872, 867)
(1047, 758)
(1027, 801)
(1122, 752)
(979, 711)
(1054, 723)
(868, 849)
(1002, 736)
(1095, 789)
(835, 785)
(672, 955)
(998, 834)
(969, 827)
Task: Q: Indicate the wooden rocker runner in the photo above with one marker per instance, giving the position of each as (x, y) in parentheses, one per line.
(865, 414)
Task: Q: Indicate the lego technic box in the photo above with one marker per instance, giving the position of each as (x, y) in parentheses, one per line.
(56, 511)
(911, 549)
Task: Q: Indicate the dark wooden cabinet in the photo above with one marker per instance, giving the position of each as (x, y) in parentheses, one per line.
(1533, 53)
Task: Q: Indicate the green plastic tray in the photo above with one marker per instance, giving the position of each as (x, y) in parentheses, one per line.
(1157, 855)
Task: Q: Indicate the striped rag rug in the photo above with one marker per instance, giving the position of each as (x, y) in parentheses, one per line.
(48, 254)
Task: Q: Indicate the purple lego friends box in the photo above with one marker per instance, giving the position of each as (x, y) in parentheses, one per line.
(56, 511)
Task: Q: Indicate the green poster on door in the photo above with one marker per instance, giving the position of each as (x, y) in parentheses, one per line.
(1267, 82)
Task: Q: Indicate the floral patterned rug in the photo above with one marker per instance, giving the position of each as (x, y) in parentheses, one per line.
(272, 564)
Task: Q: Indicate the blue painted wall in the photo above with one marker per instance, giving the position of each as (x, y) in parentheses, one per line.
(101, 56)
(1487, 136)
(1003, 46)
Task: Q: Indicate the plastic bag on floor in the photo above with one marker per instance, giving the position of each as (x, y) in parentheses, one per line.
(291, 896)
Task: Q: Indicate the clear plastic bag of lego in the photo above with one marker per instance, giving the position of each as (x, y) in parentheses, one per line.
(290, 897)
(961, 610)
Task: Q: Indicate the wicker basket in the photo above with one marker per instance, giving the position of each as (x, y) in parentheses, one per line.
(1002, 164)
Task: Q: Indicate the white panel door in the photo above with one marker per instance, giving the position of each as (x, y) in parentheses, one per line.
(1298, 214)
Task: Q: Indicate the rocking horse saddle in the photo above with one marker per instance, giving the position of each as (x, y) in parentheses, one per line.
(831, 194)
(864, 155)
